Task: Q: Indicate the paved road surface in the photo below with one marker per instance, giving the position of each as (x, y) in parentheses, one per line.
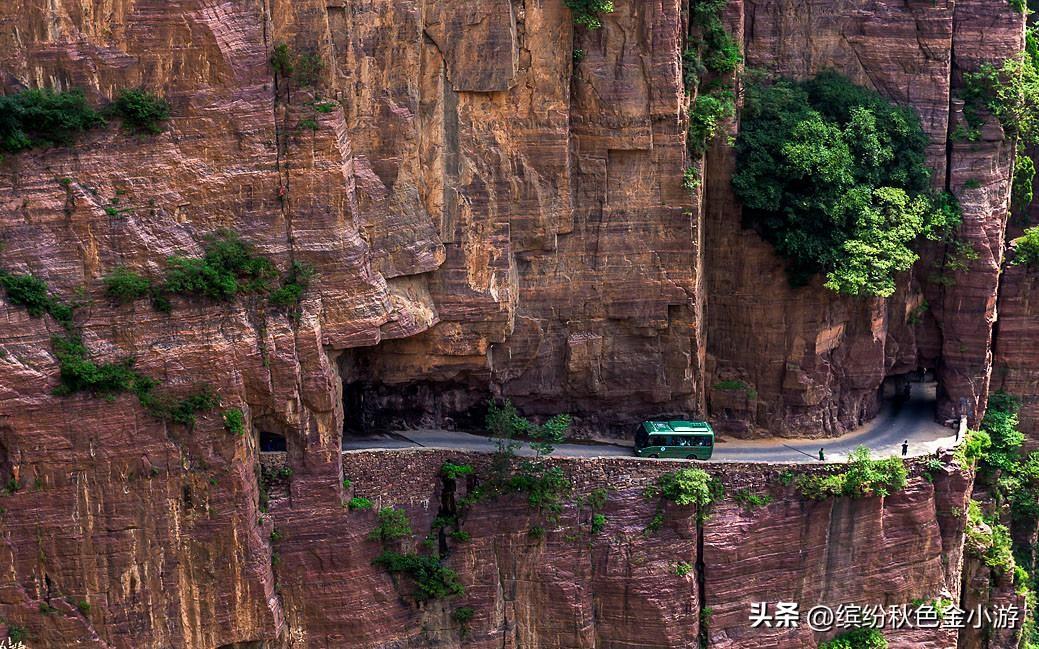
(884, 436)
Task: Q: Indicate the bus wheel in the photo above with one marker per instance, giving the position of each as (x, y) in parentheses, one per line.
(654, 456)
(690, 457)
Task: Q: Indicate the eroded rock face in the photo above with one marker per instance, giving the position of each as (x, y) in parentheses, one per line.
(620, 586)
(485, 215)
(812, 360)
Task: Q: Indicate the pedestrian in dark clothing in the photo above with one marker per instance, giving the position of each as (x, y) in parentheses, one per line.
(905, 448)
(822, 457)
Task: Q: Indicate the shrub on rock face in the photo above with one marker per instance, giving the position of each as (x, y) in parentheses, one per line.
(864, 478)
(1026, 249)
(833, 175)
(141, 111)
(124, 285)
(587, 12)
(857, 639)
(36, 118)
(687, 487)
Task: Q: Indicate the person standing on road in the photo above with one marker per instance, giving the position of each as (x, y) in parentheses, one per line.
(905, 448)
(822, 456)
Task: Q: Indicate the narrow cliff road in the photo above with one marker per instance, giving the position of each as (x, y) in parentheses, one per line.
(914, 421)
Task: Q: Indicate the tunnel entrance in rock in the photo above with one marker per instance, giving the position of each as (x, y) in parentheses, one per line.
(378, 396)
(911, 395)
(373, 407)
(272, 442)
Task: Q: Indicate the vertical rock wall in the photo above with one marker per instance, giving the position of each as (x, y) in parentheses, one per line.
(483, 213)
(813, 360)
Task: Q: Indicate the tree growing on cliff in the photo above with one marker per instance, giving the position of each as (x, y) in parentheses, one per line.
(588, 12)
(42, 117)
(1026, 249)
(857, 639)
(833, 175)
(140, 110)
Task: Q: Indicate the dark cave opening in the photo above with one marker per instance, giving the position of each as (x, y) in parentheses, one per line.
(383, 393)
(911, 394)
(272, 442)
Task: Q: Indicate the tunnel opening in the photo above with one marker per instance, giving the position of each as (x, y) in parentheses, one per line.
(272, 442)
(381, 394)
(911, 394)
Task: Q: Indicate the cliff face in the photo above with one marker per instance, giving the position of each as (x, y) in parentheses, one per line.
(491, 214)
(815, 359)
(487, 216)
(618, 587)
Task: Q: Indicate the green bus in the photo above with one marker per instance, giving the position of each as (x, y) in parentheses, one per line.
(690, 440)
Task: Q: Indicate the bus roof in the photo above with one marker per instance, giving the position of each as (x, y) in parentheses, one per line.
(678, 426)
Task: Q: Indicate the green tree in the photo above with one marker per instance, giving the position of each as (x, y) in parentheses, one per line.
(833, 175)
(1026, 248)
(141, 111)
(587, 12)
(42, 117)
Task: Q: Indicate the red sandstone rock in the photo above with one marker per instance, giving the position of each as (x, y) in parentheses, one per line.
(486, 216)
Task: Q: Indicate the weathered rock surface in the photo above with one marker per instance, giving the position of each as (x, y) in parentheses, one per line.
(812, 360)
(486, 217)
(618, 587)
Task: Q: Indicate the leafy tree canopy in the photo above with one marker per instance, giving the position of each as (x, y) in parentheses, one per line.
(834, 176)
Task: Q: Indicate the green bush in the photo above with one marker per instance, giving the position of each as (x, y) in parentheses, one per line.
(305, 68)
(234, 421)
(290, 293)
(227, 268)
(988, 540)
(683, 568)
(16, 633)
(80, 374)
(140, 110)
(708, 111)
(281, 60)
(834, 176)
(357, 503)
(1026, 248)
(38, 118)
(545, 486)
(692, 68)
(505, 420)
(1001, 425)
(393, 525)
(453, 471)
(687, 487)
(32, 293)
(857, 639)
(1009, 92)
(975, 446)
(933, 467)
(723, 54)
(179, 411)
(1024, 177)
(124, 285)
(750, 500)
(547, 436)
(864, 478)
(432, 579)
(587, 12)
(598, 523)
(463, 614)
(597, 498)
